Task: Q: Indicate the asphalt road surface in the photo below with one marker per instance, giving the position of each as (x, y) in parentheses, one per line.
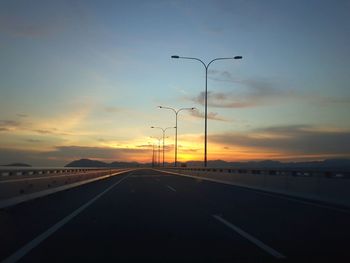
(151, 216)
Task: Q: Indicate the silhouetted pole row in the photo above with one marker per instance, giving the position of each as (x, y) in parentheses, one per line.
(163, 130)
(206, 66)
(176, 113)
(152, 153)
(158, 149)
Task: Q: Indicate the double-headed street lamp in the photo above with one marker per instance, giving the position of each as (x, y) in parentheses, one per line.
(176, 113)
(163, 136)
(206, 66)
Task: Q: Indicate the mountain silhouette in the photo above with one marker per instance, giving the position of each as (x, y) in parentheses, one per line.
(96, 163)
(86, 163)
(328, 164)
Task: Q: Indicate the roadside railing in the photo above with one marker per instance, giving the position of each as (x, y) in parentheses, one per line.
(42, 171)
(16, 182)
(266, 171)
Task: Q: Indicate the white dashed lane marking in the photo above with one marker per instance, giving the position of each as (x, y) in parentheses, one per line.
(249, 237)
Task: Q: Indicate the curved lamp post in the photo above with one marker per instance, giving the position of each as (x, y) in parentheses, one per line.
(206, 66)
(176, 113)
(163, 129)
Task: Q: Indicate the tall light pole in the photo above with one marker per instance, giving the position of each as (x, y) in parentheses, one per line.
(176, 113)
(206, 66)
(163, 129)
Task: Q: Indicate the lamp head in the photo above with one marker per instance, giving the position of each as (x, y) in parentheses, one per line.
(175, 56)
(238, 57)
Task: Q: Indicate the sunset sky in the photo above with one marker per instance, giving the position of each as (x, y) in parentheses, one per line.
(83, 79)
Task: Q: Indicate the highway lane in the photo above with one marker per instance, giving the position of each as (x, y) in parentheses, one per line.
(298, 229)
(159, 217)
(21, 223)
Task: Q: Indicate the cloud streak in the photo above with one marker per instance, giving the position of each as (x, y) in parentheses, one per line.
(52, 131)
(69, 152)
(211, 115)
(22, 115)
(9, 125)
(295, 139)
(257, 92)
(112, 109)
(68, 123)
(33, 140)
(252, 92)
(61, 155)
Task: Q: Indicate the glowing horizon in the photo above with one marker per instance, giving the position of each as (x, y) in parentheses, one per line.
(83, 80)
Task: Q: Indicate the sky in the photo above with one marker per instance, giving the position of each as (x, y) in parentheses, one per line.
(83, 79)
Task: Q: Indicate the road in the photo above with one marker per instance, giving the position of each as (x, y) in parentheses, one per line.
(151, 216)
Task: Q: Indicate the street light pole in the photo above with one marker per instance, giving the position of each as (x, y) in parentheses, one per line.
(206, 66)
(163, 136)
(176, 114)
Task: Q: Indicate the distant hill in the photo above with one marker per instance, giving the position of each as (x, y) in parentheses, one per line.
(125, 164)
(95, 163)
(86, 163)
(17, 165)
(330, 164)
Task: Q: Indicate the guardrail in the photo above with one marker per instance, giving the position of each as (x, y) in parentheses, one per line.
(16, 182)
(42, 171)
(266, 171)
(326, 186)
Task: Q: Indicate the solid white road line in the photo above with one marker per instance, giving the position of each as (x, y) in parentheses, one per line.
(24, 198)
(36, 241)
(252, 239)
(171, 188)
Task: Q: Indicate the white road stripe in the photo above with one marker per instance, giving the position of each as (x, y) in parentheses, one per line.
(36, 241)
(171, 188)
(252, 239)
